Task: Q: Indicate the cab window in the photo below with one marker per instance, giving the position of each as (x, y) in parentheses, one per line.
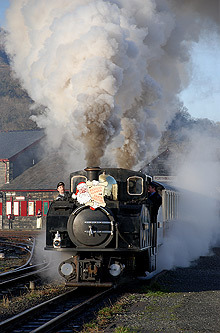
(135, 185)
(75, 180)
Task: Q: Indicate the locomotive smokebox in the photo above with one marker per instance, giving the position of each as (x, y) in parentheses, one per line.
(93, 173)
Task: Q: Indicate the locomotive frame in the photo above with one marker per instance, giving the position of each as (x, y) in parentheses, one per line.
(106, 227)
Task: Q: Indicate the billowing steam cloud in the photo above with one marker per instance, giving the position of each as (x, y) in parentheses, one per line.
(198, 179)
(106, 72)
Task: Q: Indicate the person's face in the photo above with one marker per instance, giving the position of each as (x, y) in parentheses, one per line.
(61, 189)
(151, 189)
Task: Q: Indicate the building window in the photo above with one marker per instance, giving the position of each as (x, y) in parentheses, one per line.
(16, 208)
(8, 207)
(31, 208)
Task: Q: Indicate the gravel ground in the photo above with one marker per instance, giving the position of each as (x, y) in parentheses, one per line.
(190, 302)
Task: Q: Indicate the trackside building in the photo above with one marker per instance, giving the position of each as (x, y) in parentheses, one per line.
(34, 189)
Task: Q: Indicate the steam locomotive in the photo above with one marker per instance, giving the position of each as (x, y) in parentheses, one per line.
(106, 227)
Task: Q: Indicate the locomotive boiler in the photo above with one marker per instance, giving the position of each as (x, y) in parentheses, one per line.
(106, 226)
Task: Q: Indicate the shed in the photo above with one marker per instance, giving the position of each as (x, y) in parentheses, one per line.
(34, 189)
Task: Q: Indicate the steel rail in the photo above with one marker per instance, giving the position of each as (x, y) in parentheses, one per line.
(21, 317)
(21, 276)
(14, 324)
(25, 247)
(69, 314)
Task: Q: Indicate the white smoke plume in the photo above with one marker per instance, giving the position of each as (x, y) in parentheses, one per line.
(106, 72)
(197, 229)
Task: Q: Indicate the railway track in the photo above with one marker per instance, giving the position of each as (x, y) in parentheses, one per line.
(55, 313)
(27, 270)
(13, 277)
(27, 247)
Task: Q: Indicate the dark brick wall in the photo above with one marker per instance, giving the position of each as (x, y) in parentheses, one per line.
(2, 173)
(6, 172)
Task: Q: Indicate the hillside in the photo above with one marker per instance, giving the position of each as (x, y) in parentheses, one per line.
(14, 102)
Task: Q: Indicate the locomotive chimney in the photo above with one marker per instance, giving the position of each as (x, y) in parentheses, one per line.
(93, 173)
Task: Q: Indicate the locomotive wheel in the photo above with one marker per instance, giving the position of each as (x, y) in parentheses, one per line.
(89, 228)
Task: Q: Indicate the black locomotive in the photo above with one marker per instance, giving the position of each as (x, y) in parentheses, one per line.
(105, 226)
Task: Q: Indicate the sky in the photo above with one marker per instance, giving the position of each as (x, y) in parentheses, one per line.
(3, 6)
(202, 96)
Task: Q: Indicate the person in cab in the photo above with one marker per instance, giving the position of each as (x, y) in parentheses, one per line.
(154, 200)
(63, 195)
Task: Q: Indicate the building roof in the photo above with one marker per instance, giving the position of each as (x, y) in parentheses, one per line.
(13, 142)
(42, 176)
